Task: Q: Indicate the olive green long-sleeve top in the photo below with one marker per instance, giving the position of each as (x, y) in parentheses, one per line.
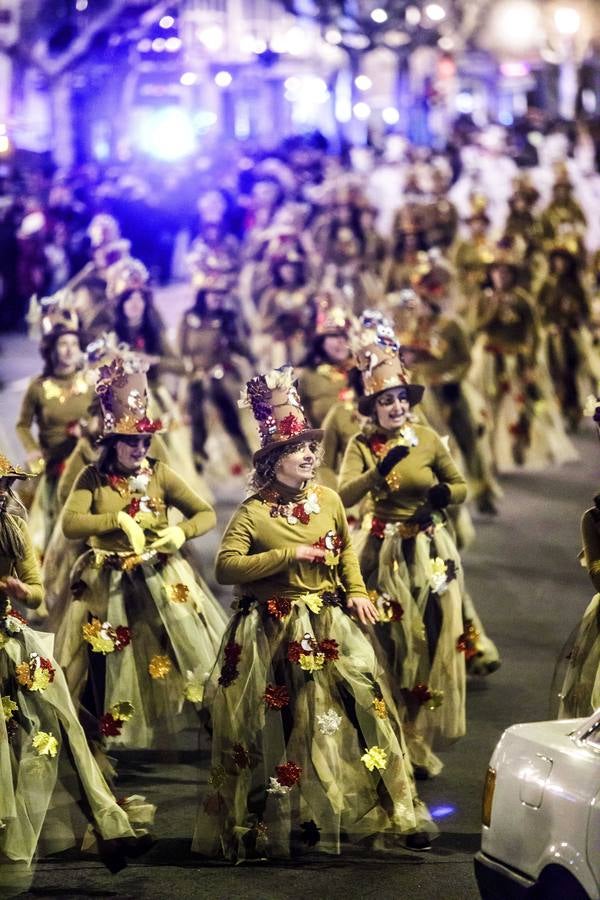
(450, 357)
(91, 512)
(320, 388)
(590, 532)
(427, 464)
(258, 551)
(54, 403)
(27, 569)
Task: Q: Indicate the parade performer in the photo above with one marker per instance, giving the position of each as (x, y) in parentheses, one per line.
(87, 289)
(285, 309)
(140, 630)
(212, 339)
(323, 380)
(46, 767)
(565, 312)
(580, 694)
(58, 403)
(472, 256)
(306, 745)
(409, 560)
(526, 423)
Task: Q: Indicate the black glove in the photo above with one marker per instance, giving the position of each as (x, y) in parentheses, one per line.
(391, 458)
(422, 516)
(439, 496)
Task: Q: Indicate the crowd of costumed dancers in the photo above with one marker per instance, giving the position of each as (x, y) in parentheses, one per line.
(361, 392)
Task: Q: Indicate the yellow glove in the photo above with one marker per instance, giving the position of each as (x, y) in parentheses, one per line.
(135, 534)
(169, 540)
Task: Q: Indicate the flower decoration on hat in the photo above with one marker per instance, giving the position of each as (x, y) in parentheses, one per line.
(127, 274)
(277, 409)
(122, 387)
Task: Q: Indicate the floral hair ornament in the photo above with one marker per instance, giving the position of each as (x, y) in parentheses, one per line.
(122, 387)
(278, 412)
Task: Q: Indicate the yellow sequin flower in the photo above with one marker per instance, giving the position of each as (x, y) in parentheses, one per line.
(8, 707)
(375, 758)
(314, 602)
(160, 666)
(96, 637)
(380, 708)
(45, 744)
(178, 593)
(312, 662)
(122, 710)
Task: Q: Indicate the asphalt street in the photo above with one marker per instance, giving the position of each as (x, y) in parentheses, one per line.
(522, 571)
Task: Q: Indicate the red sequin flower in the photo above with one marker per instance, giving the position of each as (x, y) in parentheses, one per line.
(276, 696)
(289, 774)
(229, 670)
(294, 651)
(290, 425)
(148, 426)
(329, 648)
(421, 693)
(377, 444)
(300, 513)
(134, 507)
(378, 528)
(122, 637)
(109, 726)
(241, 757)
(279, 607)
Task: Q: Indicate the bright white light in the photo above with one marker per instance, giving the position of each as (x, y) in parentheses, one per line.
(173, 44)
(309, 90)
(259, 46)
(567, 20)
(158, 45)
(145, 45)
(188, 78)
(333, 36)
(167, 133)
(446, 43)
(465, 103)
(435, 12)
(379, 15)
(517, 24)
(363, 82)
(294, 41)
(361, 110)
(167, 22)
(223, 79)
(204, 120)
(81, 5)
(412, 15)
(390, 115)
(4, 143)
(212, 37)
(2, 128)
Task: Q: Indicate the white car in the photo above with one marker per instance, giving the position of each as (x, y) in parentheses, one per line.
(541, 813)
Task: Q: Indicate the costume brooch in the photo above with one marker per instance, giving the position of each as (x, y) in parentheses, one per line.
(293, 513)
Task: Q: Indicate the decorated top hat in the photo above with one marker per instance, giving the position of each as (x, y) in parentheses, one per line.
(127, 274)
(103, 229)
(509, 251)
(479, 209)
(8, 470)
(377, 354)
(279, 415)
(57, 319)
(122, 388)
(330, 319)
(212, 270)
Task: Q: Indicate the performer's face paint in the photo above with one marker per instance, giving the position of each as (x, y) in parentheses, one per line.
(392, 408)
(131, 451)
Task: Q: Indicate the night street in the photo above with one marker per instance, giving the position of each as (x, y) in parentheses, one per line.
(530, 590)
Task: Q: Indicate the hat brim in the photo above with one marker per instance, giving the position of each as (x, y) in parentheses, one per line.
(414, 395)
(107, 436)
(311, 434)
